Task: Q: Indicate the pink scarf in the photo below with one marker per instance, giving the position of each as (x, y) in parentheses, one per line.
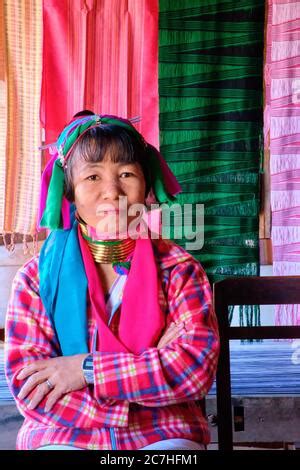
(141, 319)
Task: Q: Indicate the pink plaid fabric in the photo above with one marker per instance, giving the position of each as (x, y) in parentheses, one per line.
(154, 393)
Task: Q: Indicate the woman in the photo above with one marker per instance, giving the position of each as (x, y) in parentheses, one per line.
(110, 338)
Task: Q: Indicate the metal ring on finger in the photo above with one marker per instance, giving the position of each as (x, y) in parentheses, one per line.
(49, 384)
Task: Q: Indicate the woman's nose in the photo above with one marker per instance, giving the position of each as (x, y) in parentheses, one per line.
(111, 190)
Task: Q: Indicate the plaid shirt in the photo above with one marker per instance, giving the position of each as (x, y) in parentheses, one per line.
(153, 394)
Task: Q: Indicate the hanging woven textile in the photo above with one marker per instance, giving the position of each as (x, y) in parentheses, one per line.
(20, 85)
(3, 112)
(282, 125)
(210, 98)
(100, 55)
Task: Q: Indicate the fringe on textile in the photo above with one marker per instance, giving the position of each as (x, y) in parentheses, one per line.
(29, 243)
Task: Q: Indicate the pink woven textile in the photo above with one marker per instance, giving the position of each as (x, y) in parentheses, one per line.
(103, 56)
(282, 125)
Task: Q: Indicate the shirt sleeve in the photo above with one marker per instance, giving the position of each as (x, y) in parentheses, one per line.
(30, 336)
(182, 370)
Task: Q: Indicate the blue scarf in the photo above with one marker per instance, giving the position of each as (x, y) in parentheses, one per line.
(63, 289)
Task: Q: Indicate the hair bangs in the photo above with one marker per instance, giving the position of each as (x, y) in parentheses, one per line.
(101, 142)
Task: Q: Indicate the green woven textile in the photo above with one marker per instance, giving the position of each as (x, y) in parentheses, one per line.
(210, 98)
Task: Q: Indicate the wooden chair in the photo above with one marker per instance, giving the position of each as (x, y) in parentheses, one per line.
(246, 291)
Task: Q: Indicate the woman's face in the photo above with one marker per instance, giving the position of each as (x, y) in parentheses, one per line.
(98, 188)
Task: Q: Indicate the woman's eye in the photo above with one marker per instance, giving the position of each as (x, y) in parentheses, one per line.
(92, 178)
(126, 174)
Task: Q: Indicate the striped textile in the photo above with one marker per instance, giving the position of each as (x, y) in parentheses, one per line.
(3, 113)
(100, 55)
(210, 97)
(282, 126)
(5, 395)
(20, 84)
(267, 368)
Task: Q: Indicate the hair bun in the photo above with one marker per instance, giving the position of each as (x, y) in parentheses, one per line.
(84, 112)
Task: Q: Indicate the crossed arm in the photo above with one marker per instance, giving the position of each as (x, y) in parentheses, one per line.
(54, 371)
(180, 368)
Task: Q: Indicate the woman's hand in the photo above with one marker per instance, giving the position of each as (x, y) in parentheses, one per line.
(52, 377)
(173, 331)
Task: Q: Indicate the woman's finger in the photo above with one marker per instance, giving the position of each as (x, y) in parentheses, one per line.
(40, 392)
(35, 366)
(33, 381)
(53, 397)
(170, 335)
(30, 369)
(27, 371)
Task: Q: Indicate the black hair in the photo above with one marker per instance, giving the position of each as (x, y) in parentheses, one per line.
(85, 112)
(92, 146)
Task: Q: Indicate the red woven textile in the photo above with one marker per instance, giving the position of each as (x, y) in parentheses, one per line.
(101, 56)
